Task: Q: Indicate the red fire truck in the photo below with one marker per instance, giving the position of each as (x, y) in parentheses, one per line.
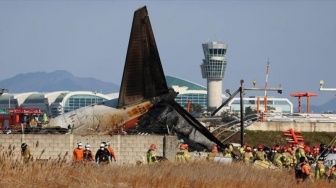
(19, 118)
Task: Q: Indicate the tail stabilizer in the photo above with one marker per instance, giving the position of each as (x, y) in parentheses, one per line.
(143, 76)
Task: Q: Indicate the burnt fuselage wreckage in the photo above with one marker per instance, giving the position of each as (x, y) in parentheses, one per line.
(145, 103)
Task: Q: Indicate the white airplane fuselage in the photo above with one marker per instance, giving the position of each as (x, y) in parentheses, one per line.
(98, 117)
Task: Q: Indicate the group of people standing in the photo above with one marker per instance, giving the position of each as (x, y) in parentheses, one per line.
(298, 157)
(182, 155)
(104, 155)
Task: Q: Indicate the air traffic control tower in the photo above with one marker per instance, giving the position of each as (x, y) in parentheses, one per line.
(213, 69)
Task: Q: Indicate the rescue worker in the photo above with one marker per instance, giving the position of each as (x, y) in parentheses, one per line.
(88, 156)
(214, 153)
(316, 151)
(332, 174)
(299, 152)
(26, 154)
(319, 170)
(292, 151)
(302, 172)
(77, 154)
(183, 155)
(228, 150)
(286, 157)
(103, 156)
(111, 150)
(242, 151)
(278, 158)
(248, 156)
(292, 158)
(151, 155)
(260, 154)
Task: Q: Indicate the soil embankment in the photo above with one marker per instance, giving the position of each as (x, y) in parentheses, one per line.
(271, 138)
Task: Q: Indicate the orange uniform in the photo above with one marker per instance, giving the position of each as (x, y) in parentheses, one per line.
(78, 154)
(111, 150)
(305, 169)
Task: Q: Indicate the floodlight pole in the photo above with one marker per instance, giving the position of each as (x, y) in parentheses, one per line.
(241, 90)
(241, 93)
(325, 89)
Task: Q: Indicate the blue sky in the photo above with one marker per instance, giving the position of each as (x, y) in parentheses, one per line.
(90, 38)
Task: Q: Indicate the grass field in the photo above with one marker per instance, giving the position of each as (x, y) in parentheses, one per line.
(195, 174)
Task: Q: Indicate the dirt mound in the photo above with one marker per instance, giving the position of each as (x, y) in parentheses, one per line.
(271, 138)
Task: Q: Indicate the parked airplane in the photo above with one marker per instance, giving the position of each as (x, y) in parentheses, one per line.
(143, 87)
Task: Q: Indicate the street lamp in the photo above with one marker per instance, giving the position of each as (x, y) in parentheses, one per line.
(325, 89)
(241, 90)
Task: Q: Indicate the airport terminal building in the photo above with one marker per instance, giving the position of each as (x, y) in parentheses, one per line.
(59, 102)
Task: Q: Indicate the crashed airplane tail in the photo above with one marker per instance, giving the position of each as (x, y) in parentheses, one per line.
(143, 76)
(143, 86)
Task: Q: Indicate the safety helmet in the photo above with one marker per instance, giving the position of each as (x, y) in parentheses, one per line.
(306, 149)
(248, 148)
(183, 146)
(152, 146)
(79, 144)
(87, 146)
(102, 145)
(301, 144)
(181, 140)
(108, 143)
(23, 145)
(214, 148)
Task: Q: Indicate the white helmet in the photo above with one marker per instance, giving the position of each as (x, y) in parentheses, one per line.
(79, 144)
(102, 145)
(87, 146)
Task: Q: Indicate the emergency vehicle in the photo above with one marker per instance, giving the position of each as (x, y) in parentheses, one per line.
(19, 118)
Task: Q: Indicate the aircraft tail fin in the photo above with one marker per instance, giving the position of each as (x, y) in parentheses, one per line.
(143, 76)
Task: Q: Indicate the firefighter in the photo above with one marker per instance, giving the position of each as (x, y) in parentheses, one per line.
(183, 155)
(299, 152)
(286, 157)
(26, 154)
(77, 154)
(228, 150)
(111, 150)
(319, 170)
(278, 158)
(260, 154)
(332, 174)
(214, 153)
(88, 156)
(103, 156)
(291, 157)
(316, 151)
(248, 156)
(151, 155)
(242, 151)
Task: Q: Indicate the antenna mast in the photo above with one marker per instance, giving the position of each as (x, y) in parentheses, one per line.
(266, 77)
